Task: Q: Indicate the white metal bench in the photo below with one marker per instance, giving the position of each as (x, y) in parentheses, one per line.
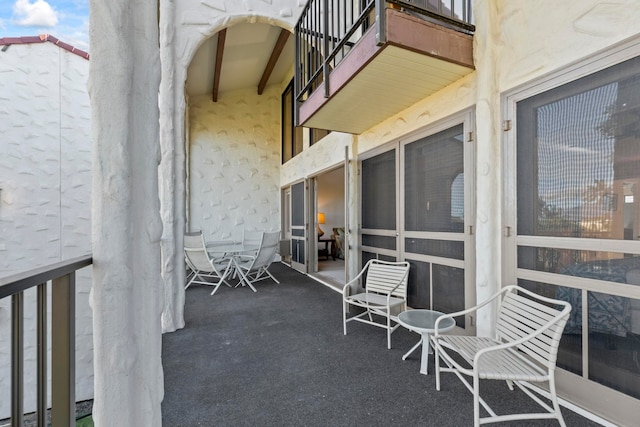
(524, 350)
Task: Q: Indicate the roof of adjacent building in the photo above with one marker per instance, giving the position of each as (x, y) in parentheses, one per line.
(7, 41)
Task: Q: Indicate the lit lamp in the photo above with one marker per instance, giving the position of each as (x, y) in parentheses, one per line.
(320, 221)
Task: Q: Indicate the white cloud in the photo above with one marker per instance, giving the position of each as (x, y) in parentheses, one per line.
(36, 14)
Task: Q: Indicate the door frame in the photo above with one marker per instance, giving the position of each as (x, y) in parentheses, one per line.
(302, 240)
(467, 119)
(600, 399)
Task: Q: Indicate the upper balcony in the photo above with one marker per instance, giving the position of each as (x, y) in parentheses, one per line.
(376, 58)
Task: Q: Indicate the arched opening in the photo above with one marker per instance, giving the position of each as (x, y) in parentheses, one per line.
(233, 91)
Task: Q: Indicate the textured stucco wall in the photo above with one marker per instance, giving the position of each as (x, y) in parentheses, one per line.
(45, 205)
(542, 36)
(234, 162)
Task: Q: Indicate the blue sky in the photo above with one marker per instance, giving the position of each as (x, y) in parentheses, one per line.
(68, 20)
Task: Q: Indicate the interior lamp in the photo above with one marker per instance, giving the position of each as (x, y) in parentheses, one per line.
(321, 220)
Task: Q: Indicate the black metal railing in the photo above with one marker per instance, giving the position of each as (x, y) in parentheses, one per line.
(62, 277)
(322, 39)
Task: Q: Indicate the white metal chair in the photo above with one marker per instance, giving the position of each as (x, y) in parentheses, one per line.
(253, 268)
(524, 350)
(201, 264)
(385, 290)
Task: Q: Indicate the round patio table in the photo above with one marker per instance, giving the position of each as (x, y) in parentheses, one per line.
(423, 322)
(234, 250)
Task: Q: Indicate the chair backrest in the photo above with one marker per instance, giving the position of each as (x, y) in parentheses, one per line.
(196, 253)
(525, 312)
(268, 248)
(384, 276)
(252, 237)
(194, 240)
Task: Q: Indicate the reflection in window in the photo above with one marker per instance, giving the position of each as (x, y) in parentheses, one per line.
(614, 342)
(584, 140)
(570, 350)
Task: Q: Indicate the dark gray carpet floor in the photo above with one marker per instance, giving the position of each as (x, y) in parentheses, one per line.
(278, 358)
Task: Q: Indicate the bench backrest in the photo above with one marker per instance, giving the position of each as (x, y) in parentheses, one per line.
(520, 315)
(383, 277)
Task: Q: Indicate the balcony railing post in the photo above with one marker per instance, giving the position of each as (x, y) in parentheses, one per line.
(381, 17)
(325, 55)
(63, 374)
(42, 356)
(296, 74)
(17, 359)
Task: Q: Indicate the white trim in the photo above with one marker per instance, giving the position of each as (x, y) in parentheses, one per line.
(449, 262)
(591, 285)
(578, 410)
(377, 232)
(429, 235)
(597, 245)
(327, 284)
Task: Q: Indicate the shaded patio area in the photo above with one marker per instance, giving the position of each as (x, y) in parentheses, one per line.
(278, 358)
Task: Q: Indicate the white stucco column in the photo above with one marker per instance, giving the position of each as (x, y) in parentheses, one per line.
(127, 294)
(488, 184)
(171, 174)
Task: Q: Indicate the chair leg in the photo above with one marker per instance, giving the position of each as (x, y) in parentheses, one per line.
(554, 400)
(437, 356)
(388, 331)
(344, 317)
(271, 275)
(215, 288)
(245, 278)
(476, 401)
(193, 277)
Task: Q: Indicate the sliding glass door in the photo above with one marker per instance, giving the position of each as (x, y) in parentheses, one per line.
(576, 203)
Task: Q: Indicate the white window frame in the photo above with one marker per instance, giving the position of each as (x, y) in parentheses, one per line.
(577, 388)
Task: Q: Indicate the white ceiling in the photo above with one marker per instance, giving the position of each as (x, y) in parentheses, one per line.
(247, 50)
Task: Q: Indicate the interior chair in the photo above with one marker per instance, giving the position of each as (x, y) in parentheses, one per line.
(253, 268)
(522, 351)
(338, 242)
(205, 270)
(385, 295)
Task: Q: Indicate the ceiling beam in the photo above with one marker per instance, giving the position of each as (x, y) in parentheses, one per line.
(275, 54)
(222, 35)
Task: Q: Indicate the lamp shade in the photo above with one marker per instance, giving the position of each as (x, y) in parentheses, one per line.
(321, 218)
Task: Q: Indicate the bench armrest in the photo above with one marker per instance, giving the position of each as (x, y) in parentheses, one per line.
(470, 310)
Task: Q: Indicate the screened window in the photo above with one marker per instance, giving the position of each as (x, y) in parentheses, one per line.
(379, 192)
(291, 135)
(434, 182)
(584, 138)
(578, 177)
